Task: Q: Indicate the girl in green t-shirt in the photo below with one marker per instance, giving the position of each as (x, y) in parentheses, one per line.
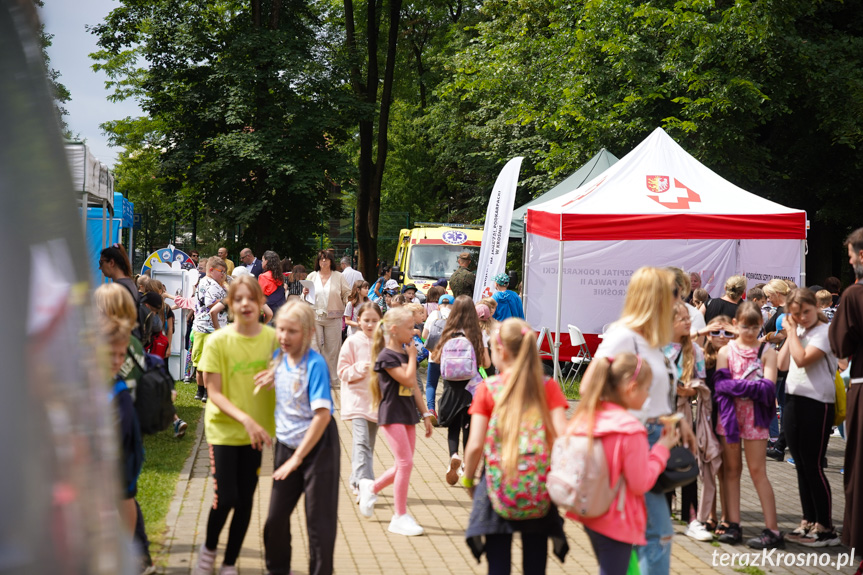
(238, 421)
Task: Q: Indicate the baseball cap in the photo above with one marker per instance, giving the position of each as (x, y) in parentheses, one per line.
(240, 271)
(391, 284)
(440, 283)
(483, 312)
(501, 279)
(152, 299)
(445, 298)
(409, 286)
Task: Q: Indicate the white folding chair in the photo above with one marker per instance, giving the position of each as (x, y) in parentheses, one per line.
(577, 361)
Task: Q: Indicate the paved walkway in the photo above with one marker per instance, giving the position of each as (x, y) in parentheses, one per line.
(364, 545)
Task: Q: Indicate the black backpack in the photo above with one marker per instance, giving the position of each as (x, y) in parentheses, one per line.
(153, 395)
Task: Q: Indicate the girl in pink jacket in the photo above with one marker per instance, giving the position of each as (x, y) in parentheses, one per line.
(619, 384)
(353, 369)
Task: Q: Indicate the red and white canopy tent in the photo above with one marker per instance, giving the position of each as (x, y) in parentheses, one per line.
(657, 206)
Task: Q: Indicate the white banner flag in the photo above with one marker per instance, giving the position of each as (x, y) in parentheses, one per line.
(495, 235)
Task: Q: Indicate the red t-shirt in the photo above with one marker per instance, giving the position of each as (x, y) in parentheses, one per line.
(483, 403)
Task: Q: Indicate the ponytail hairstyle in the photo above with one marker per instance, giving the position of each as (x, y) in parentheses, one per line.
(710, 350)
(686, 351)
(607, 378)
(802, 296)
(117, 253)
(354, 298)
(296, 310)
(523, 395)
(393, 317)
(735, 287)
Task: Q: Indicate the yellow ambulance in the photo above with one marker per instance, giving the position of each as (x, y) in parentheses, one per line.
(429, 251)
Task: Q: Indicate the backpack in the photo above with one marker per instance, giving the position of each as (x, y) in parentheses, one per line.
(153, 395)
(579, 478)
(435, 330)
(524, 496)
(458, 359)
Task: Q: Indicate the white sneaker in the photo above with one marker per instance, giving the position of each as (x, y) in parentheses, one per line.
(405, 525)
(367, 497)
(452, 471)
(206, 561)
(697, 531)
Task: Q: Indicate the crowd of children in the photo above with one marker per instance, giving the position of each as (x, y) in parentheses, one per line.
(268, 386)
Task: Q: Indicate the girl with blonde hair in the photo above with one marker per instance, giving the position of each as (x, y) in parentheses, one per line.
(521, 396)
(645, 326)
(395, 393)
(306, 451)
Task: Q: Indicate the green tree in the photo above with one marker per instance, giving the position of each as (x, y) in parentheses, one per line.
(58, 89)
(768, 94)
(245, 107)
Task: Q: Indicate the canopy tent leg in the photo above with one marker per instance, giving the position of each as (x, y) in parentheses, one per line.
(105, 224)
(524, 270)
(556, 353)
(803, 282)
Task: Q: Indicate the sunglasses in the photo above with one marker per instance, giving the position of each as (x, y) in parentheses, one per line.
(723, 333)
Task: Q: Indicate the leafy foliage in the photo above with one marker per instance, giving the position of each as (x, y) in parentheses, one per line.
(58, 89)
(243, 106)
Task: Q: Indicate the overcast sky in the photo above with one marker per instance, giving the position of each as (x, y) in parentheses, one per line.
(89, 106)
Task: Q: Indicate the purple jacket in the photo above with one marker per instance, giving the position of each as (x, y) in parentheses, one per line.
(762, 392)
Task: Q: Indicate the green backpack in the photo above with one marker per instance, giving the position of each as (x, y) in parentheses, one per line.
(523, 496)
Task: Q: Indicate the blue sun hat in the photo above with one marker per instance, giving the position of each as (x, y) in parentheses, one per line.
(501, 279)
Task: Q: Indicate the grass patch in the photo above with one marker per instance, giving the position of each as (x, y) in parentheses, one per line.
(750, 570)
(715, 543)
(571, 390)
(164, 459)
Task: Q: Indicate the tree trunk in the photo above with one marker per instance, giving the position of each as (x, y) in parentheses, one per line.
(371, 166)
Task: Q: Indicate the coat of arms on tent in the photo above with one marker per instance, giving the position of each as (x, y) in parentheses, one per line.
(657, 184)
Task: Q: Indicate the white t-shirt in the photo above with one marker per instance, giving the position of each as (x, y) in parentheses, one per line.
(350, 312)
(815, 381)
(696, 317)
(621, 339)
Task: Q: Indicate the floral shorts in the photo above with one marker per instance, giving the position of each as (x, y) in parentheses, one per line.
(745, 410)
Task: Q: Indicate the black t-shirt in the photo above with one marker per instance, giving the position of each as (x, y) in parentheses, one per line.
(719, 306)
(397, 402)
(770, 326)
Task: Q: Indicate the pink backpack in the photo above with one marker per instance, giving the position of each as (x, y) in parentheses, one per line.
(579, 478)
(458, 359)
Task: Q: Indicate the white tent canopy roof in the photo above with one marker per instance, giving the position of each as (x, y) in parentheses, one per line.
(660, 191)
(90, 177)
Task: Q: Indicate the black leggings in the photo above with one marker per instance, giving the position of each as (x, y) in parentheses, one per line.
(688, 501)
(235, 478)
(459, 424)
(498, 552)
(613, 556)
(807, 427)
